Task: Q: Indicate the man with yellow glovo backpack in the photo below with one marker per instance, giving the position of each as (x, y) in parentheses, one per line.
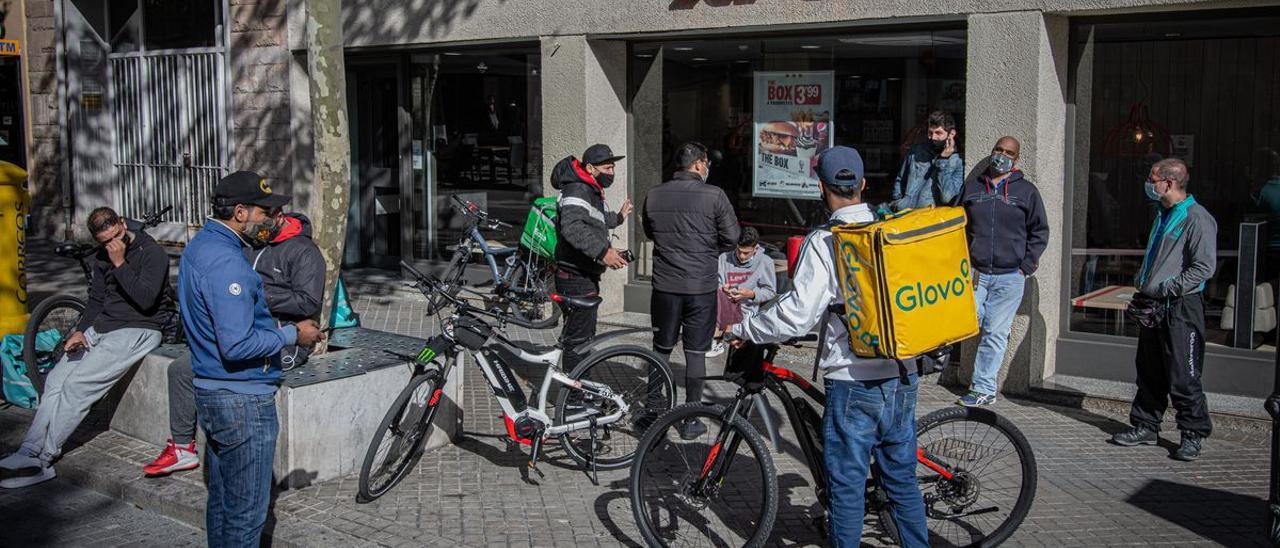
(871, 402)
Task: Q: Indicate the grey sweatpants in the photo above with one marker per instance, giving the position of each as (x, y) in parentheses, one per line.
(78, 381)
(182, 400)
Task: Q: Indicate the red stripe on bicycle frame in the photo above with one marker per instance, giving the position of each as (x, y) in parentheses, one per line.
(435, 398)
(787, 374)
(946, 474)
(711, 458)
(511, 431)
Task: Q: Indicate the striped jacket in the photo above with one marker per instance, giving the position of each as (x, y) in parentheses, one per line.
(583, 221)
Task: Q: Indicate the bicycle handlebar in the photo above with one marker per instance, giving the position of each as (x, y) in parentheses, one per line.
(433, 287)
(152, 219)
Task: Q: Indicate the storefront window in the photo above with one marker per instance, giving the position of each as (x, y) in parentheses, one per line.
(872, 91)
(1202, 88)
(476, 134)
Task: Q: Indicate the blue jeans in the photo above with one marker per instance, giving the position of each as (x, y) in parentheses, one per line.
(998, 296)
(241, 431)
(866, 419)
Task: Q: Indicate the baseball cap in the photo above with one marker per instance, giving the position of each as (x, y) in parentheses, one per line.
(599, 155)
(247, 187)
(835, 162)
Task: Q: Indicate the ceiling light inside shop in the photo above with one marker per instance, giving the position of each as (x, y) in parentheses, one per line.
(700, 59)
(452, 53)
(894, 79)
(743, 61)
(743, 47)
(683, 48)
(905, 40)
(810, 46)
(644, 55)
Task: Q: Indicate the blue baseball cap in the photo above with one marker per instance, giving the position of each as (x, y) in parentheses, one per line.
(840, 166)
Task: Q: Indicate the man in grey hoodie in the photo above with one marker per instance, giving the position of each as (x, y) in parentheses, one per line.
(1181, 257)
(747, 280)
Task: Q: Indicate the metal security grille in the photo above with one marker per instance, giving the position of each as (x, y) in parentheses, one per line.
(170, 122)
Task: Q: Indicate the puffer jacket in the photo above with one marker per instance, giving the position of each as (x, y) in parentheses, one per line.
(690, 223)
(583, 221)
(292, 272)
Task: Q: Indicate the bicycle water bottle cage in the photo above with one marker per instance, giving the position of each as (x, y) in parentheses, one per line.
(579, 303)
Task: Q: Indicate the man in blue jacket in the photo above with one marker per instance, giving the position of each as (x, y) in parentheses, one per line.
(932, 173)
(235, 355)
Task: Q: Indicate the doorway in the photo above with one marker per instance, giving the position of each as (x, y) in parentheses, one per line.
(373, 224)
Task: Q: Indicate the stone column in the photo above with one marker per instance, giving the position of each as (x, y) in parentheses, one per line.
(584, 85)
(1017, 85)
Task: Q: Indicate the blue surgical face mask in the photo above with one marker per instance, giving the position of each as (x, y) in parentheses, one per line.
(1150, 187)
(1001, 164)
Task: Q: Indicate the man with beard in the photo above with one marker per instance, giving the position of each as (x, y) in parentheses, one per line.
(932, 173)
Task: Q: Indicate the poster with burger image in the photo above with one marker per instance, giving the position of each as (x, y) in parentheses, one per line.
(793, 125)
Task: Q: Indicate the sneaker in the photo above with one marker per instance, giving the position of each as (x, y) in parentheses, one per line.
(19, 460)
(690, 429)
(1189, 450)
(1136, 435)
(976, 399)
(717, 348)
(174, 458)
(43, 474)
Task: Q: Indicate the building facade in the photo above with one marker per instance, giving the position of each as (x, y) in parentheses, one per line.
(478, 99)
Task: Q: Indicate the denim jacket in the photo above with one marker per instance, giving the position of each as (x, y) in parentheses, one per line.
(923, 176)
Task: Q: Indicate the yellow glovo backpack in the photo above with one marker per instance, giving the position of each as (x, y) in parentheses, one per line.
(906, 283)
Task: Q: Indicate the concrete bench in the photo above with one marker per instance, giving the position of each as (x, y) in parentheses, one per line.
(328, 408)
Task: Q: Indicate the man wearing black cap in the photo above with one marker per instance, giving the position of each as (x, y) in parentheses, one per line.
(582, 227)
(235, 355)
(869, 410)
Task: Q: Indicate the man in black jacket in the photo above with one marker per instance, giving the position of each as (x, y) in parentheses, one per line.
(690, 223)
(292, 272)
(1008, 231)
(121, 323)
(582, 228)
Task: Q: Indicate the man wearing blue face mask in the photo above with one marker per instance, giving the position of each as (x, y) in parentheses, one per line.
(1008, 230)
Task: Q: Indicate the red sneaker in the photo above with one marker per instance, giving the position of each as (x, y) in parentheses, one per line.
(174, 458)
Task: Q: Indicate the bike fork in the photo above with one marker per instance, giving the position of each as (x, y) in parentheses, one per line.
(709, 467)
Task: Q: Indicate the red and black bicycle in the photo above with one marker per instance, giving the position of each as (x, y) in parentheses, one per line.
(976, 470)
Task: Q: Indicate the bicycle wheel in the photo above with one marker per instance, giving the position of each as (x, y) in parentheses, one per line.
(530, 285)
(628, 371)
(57, 316)
(737, 508)
(994, 481)
(396, 445)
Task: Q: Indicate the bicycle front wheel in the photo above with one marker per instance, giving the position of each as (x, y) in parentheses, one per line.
(993, 476)
(641, 378)
(396, 445)
(695, 492)
(53, 320)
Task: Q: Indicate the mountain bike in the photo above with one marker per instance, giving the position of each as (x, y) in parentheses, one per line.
(975, 469)
(523, 284)
(58, 315)
(601, 406)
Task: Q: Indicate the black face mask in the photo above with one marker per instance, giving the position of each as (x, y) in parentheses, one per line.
(605, 179)
(937, 146)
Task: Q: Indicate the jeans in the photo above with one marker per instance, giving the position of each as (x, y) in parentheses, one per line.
(79, 380)
(865, 419)
(241, 431)
(998, 297)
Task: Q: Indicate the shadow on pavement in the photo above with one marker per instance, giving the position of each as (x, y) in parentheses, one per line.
(1203, 511)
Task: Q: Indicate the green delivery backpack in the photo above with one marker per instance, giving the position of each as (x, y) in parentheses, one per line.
(540, 228)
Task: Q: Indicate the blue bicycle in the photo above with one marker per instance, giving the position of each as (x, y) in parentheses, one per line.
(522, 280)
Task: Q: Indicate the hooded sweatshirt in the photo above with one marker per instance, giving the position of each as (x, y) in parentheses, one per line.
(1007, 225)
(292, 271)
(583, 221)
(757, 274)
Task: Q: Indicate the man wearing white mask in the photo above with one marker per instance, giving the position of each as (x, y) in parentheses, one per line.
(1008, 230)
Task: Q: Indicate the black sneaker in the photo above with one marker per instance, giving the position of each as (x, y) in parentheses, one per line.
(1135, 436)
(690, 429)
(1189, 450)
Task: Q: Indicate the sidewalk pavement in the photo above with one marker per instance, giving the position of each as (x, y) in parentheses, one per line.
(1090, 493)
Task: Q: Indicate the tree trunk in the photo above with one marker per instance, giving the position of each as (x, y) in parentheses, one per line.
(331, 193)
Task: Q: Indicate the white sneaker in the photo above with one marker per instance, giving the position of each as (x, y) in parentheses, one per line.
(19, 460)
(45, 473)
(717, 348)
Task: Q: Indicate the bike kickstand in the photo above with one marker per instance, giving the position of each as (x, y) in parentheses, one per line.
(533, 456)
(595, 480)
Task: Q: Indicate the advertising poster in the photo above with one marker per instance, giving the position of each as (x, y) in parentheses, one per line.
(792, 126)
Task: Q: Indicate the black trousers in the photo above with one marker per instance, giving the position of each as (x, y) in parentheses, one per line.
(1170, 362)
(579, 325)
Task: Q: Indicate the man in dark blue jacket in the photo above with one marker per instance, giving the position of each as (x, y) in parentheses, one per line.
(235, 354)
(1008, 230)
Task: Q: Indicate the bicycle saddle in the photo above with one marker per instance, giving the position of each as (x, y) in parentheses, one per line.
(578, 302)
(74, 250)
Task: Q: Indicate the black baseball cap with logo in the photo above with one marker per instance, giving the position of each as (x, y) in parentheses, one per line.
(598, 155)
(247, 187)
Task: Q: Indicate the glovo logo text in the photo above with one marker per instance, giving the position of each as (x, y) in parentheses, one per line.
(855, 315)
(919, 295)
